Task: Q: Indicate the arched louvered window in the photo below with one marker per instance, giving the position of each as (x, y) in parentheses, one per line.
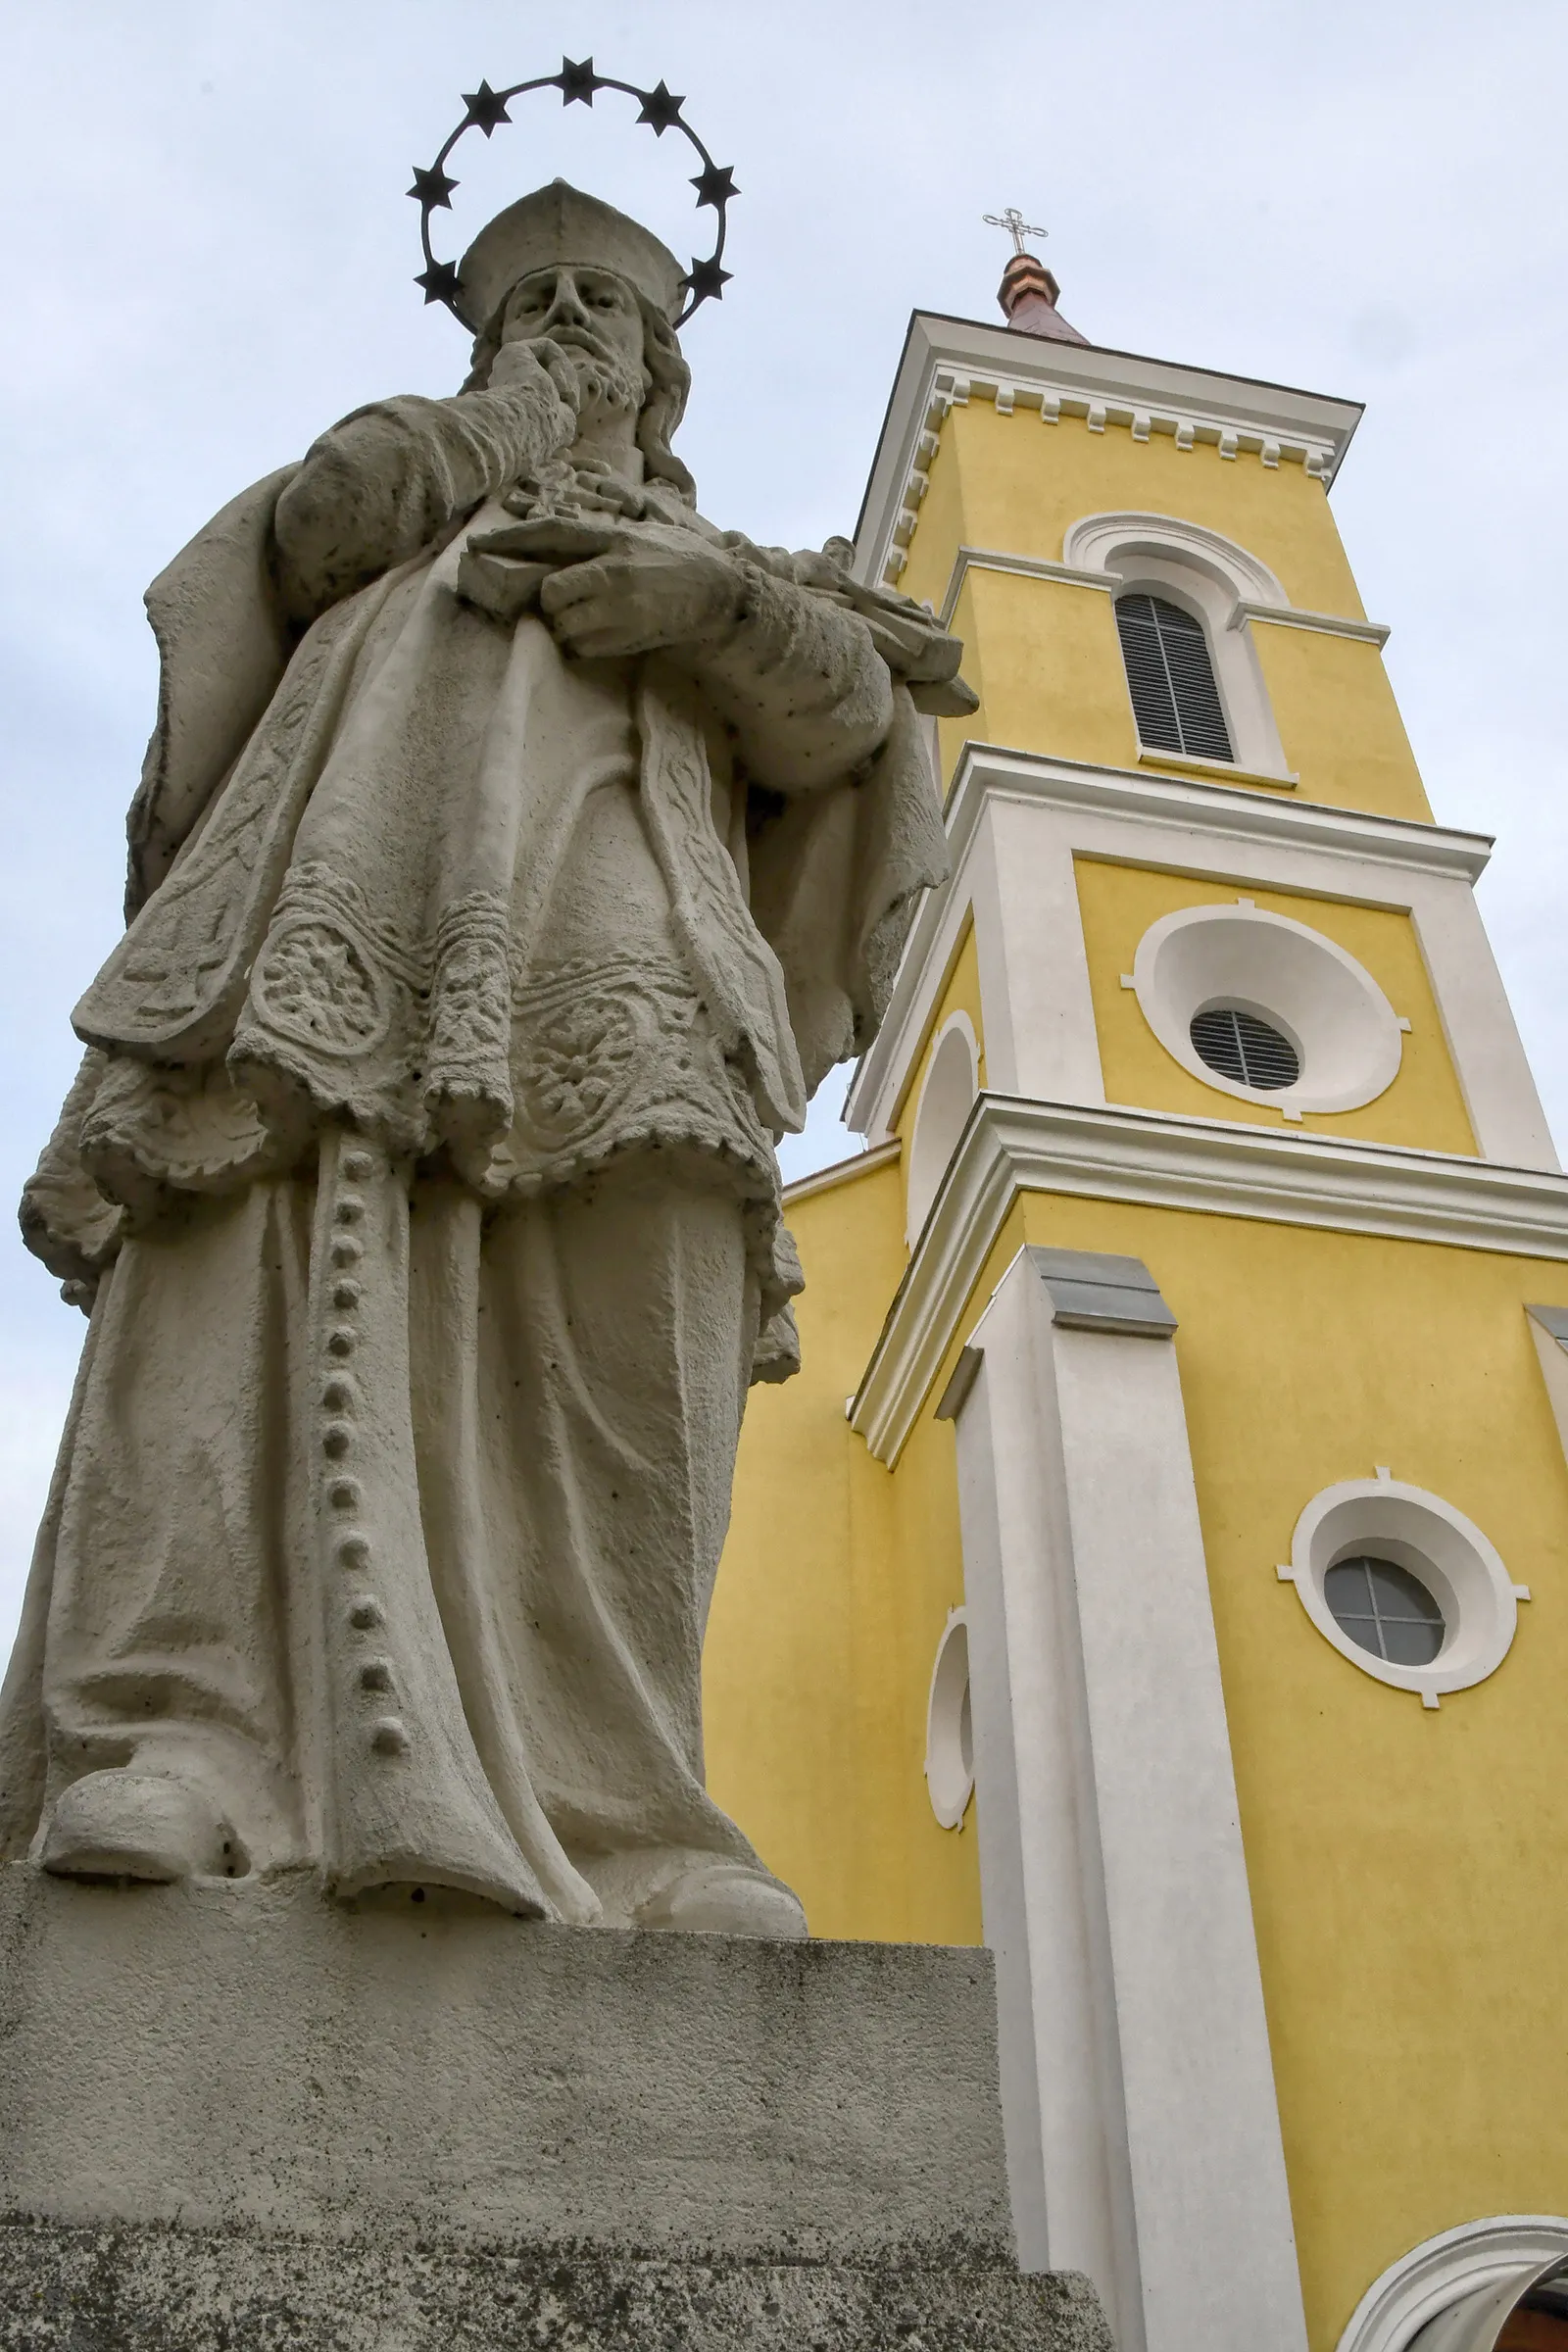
(1175, 699)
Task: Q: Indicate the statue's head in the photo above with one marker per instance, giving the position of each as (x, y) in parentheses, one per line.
(561, 264)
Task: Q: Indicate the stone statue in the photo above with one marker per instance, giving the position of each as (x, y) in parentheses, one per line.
(513, 855)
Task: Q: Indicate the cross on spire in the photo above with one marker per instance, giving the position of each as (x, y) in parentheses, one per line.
(1018, 227)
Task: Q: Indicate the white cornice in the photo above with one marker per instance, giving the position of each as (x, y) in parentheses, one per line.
(842, 1171)
(1029, 567)
(1224, 813)
(1331, 624)
(1010, 1146)
(1074, 576)
(946, 362)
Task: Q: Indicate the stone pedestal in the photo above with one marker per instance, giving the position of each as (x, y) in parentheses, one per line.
(240, 2115)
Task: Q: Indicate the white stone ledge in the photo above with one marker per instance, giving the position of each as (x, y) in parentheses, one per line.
(1012, 1146)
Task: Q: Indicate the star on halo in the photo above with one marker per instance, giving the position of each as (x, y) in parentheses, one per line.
(660, 109)
(706, 278)
(715, 185)
(440, 283)
(485, 109)
(578, 81)
(432, 187)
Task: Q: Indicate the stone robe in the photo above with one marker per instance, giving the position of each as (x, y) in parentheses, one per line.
(421, 1176)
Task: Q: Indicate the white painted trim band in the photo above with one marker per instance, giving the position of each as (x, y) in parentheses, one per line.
(1226, 813)
(842, 1171)
(1011, 1144)
(1329, 625)
(1029, 567)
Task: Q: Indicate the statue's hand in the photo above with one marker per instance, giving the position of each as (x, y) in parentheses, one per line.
(646, 593)
(537, 365)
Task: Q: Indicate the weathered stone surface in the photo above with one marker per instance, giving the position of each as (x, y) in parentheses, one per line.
(516, 852)
(237, 2115)
(253, 2053)
(165, 2289)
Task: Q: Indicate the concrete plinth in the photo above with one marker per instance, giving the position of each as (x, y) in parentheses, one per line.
(237, 2115)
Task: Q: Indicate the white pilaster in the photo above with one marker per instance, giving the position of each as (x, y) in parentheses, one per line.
(1144, 2140)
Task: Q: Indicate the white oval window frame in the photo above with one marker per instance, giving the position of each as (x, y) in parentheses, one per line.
(947, 1096)
(1338, 1022)
(1417, 1530)
(948, 1770)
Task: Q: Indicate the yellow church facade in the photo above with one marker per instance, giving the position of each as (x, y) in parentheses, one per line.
(1158, 1570)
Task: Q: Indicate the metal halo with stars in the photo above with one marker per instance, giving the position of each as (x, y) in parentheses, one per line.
(576, 82)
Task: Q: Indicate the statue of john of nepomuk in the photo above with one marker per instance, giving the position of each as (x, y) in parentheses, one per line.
(513, 855)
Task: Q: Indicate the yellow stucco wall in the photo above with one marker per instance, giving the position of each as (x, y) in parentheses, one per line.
(1410, 1933)
(1412, 1924)
(1043, 655)
(833, 1593)
(1339, 722)
(1020, 484)
(1423, 1107)
(1402, 1861)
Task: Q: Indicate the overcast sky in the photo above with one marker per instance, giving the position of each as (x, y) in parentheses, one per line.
(211, 256)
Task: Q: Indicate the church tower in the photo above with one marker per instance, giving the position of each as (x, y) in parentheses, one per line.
(1160, 1570)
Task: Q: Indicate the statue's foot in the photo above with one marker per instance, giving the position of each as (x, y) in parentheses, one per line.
(727, 1902)
(138, 1825)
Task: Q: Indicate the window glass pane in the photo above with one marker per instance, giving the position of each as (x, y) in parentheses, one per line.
(1410, 1644)
(1385, 1609)
(1396, 1593)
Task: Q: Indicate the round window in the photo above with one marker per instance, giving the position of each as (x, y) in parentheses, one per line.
(1257, 1005)
(1241, 1047)
(1404, 1585)
(1386, 1609)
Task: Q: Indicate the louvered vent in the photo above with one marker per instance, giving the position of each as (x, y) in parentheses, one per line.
(1244, 1048)
(1175, 699)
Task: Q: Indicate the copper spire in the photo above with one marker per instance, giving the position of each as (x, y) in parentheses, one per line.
(1028, 291)
(1028, 295)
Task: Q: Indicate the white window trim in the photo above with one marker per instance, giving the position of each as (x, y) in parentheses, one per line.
(1212, 577)
(925, 1174)
(1105, 542)
(1370, 1013)
(1437, 2273)
(950, 1784)
(1485, 1622)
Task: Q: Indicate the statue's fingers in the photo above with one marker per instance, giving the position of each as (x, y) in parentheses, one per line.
(573, 586)
(608, 642)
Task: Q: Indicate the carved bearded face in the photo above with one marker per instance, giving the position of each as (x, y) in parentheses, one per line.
(597, 320)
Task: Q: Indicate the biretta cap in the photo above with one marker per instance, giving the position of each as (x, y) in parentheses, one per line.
(557, 227)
